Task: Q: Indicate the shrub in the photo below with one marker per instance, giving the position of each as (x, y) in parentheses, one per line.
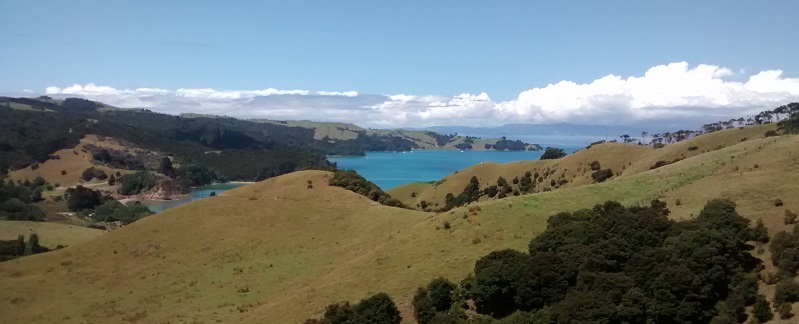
(34, 166)
(771, 133)
(595, 166)
(63, 172)
(787, 291)
(762, 309)
(658, 146)
(352, 181)
(678, 202)
(131, 184)
(785, 311)
(447, 225)
(778, 202)
(790, 217)
(658, 164)
(602, 175)
(693, 148)
(760, 233)
(87, 174)
(552, 153)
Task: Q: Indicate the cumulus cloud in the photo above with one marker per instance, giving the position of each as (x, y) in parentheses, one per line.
(664, 92)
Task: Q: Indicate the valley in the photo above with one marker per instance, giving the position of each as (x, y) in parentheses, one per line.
(233, 257)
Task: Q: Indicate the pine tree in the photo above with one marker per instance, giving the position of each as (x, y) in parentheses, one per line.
(20, 249)
(33, 244)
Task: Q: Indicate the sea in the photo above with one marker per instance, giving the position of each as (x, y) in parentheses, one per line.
(391, 169)
(158, 206)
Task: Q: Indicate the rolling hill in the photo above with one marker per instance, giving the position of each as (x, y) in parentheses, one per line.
(279, 250)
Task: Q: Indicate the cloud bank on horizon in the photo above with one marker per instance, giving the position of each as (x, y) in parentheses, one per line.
(674, 91)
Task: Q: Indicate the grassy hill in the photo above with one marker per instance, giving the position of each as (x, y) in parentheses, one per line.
(73, 161)
(575, 170)
(234, 257)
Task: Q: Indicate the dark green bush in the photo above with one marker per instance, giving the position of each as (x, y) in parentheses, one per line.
(378, 308)
(787, 291)
(552, 153)
(141, 181)
(352, 181)
(602, 175)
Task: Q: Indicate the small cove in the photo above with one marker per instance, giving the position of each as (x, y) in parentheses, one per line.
(158, 206)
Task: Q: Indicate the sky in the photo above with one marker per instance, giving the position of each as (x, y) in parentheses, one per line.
(410, 63)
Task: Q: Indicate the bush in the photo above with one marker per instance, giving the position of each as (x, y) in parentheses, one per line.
(375, 309)
(131, 184)
(778, 202)
(552, 153)
(762, 310)
(693, 148)
(787, 291)
(771, 133)
(785, 311)
(602, 175)
(658, 164)
(352, 181)
(790, 217)
(760, 233)
(91, 173)
(658, 146)
(595, 166)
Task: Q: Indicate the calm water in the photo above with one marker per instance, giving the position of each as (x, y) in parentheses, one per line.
(196, 193)
(389, 170)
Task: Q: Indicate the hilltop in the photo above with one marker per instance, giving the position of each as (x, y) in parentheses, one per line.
(234, 257)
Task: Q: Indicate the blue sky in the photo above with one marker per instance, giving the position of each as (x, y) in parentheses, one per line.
(425, 49)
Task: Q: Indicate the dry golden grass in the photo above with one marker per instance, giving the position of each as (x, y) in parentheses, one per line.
(408, 193)
(74, 161)
(296, 249)
(624, 159)
(50, 234)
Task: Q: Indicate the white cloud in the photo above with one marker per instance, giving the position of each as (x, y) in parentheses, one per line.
(663, 92)
(27, 90)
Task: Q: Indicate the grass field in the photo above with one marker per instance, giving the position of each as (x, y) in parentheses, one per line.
(50, 234)
(278, 251)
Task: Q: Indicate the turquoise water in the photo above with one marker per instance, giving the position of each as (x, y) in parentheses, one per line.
(196, 193)
(389, 169)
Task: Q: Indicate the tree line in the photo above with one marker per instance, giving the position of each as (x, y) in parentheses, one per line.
(614, 264)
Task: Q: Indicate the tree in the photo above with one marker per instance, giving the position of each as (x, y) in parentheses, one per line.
(762, 309)
(440, 294)
(80, 198)
(33, 244)
(378, 308)
(20, 247)
(423, 309)
(552, 153)
(112, 180)
(760, 233)
(166, 168)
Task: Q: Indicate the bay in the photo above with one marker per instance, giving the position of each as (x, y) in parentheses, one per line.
(197, 193)
(392, 169)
